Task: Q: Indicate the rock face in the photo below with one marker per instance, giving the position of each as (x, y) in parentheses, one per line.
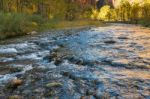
(101, 3)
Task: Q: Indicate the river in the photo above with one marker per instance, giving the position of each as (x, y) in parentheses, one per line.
(110, 62)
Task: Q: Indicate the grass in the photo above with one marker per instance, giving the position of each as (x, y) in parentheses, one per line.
(61, 24)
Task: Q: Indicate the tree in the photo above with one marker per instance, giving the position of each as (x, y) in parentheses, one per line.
(135, 12)
(103, 14)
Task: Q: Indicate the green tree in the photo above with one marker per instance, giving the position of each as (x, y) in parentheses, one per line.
(135, 12)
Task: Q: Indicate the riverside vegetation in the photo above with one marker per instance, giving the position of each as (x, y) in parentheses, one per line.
(20, 17)
(126, 12)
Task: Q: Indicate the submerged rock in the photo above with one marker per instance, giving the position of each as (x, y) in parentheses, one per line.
(8, 70)
(58, 61)
(102, 95)
(80, 61)
(15, 97)
(120, 62)
(14, 83)
(87, 97)
(50, 93)
(54, 84)
(65, 73)
(123, 37)
(110, 42)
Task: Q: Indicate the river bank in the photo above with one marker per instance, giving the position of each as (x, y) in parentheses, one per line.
(18, 27)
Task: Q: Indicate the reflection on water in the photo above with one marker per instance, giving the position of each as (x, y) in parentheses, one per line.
(144, 54)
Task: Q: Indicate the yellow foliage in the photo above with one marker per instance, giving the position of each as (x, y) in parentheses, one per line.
(14, 8)
(94, 14)
(34, 8)
(34, 24)
(103, 13)
(50, 16)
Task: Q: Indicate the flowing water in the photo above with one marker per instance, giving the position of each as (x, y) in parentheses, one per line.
(111, 62)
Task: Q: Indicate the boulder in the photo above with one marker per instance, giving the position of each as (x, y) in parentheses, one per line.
(14, 83)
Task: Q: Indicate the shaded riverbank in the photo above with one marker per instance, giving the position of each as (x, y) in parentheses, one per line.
(95, 62)
(30, 28)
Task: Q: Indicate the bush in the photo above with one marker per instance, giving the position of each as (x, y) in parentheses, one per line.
(144, 22)
(101, 14)
(36, 18)
(94, 14)
(11, 22)
(70, 13)
(16, 24)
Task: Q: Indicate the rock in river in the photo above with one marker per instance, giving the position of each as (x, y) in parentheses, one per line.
(14, 83)
(110, 42)
(15, 97)
(54, 84)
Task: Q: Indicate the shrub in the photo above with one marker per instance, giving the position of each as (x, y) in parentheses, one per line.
(94, 14)
(16, 24)
(101, 14)
(37, 18)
